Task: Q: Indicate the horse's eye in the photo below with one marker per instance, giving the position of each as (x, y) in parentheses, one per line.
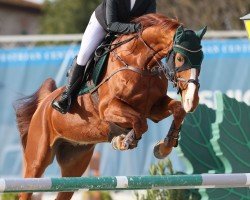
(180, 59)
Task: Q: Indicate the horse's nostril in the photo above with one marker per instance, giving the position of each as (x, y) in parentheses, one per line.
(189, 101)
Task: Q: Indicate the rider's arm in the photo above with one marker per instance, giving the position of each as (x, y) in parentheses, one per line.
(112, 21)
(152, 7)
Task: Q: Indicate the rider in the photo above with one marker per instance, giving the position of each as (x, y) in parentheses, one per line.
(111, 16)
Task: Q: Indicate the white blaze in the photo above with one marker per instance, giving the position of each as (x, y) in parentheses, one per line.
(189, 97)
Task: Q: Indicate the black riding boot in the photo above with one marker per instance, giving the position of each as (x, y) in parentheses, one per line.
(76, 75)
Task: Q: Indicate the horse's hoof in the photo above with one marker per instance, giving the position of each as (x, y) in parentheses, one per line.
(161, 151)
(117, 143)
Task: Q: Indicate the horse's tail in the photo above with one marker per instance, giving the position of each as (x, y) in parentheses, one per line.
(26, 107)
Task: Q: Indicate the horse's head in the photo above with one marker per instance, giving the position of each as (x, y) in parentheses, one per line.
(183, 65)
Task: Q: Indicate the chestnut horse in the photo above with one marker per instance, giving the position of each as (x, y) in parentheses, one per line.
(125, 99)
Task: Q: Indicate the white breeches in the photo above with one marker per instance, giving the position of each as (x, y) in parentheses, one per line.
(91, 39)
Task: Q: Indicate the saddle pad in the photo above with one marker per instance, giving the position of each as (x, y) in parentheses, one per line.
(94, 78)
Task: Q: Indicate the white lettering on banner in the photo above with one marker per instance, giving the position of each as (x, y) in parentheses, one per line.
(211, 49)
(207, 96)
(239, 95)
(52, 53)
(46, 56)
(32, 56)
(226, 48)
(235, 48)
(246, 97)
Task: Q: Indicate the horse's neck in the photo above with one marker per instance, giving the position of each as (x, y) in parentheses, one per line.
(149, 48)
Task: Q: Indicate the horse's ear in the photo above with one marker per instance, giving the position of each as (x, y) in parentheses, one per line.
(201, 32)
(179, 34)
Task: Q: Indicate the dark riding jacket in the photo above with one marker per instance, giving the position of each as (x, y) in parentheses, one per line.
(115, 15)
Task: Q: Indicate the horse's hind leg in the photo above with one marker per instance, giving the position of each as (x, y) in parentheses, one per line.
(73, 161)
(37, 155)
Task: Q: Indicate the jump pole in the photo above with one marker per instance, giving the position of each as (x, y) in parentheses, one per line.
(125, 183)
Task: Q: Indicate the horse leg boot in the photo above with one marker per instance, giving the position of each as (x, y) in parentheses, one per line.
(161, 150)
(75, 78)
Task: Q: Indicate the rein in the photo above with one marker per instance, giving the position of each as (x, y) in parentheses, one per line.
(152, 72)
(168, 68)
(126, 67)
(108, 48)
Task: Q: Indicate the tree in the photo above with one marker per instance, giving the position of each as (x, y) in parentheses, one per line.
(67, 16)
(72, 16)
(216, 14)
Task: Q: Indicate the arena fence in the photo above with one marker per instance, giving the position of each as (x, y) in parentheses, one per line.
(125, 183)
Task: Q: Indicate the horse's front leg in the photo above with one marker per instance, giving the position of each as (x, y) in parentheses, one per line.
(123, 115)
(164, 108)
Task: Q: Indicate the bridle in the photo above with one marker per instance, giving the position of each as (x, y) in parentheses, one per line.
(168, 68)
(170, 71)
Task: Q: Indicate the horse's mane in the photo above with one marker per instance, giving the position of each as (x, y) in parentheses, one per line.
(157, 20)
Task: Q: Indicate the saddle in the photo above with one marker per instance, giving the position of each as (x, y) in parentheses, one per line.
(96, 65)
